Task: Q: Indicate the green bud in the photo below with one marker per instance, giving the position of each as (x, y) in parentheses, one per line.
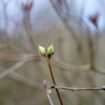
(50, 51)
(42, 50)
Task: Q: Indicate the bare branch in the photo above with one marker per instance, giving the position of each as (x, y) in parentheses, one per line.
(71, 67)
(14, 57)
(48, 92)
(78, 89)
(65, 19)
(27, 81)
(28, 27)
(14, 68)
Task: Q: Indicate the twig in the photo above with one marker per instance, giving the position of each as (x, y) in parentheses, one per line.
(53, 79)
(48, 92)
(47, 54)
(78, 89)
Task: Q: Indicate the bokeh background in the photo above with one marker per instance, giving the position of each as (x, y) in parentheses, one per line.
(78, 60)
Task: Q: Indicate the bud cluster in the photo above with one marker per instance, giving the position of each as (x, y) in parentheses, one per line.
(47, 52)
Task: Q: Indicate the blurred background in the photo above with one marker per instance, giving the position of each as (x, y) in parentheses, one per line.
(74, 27)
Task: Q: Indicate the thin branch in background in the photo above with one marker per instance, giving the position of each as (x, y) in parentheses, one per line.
(70, 29)
(78, 89)
(71, 67)
(62, 7)
(48, 92)
(64, 66)
(27, 81)
(99, 70)
(65, 21)
(29, 32)
(27, 24)
(13, 68)
(14, 57)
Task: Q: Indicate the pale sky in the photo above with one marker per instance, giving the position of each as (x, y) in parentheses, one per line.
(42, 12)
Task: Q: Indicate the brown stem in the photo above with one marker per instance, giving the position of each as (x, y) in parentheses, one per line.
(53, 80)
(28, 29)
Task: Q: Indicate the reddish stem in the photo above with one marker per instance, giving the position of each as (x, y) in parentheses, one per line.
(53, 80)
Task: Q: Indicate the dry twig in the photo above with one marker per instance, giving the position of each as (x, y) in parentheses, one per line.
(48, 92)
(78, 89)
